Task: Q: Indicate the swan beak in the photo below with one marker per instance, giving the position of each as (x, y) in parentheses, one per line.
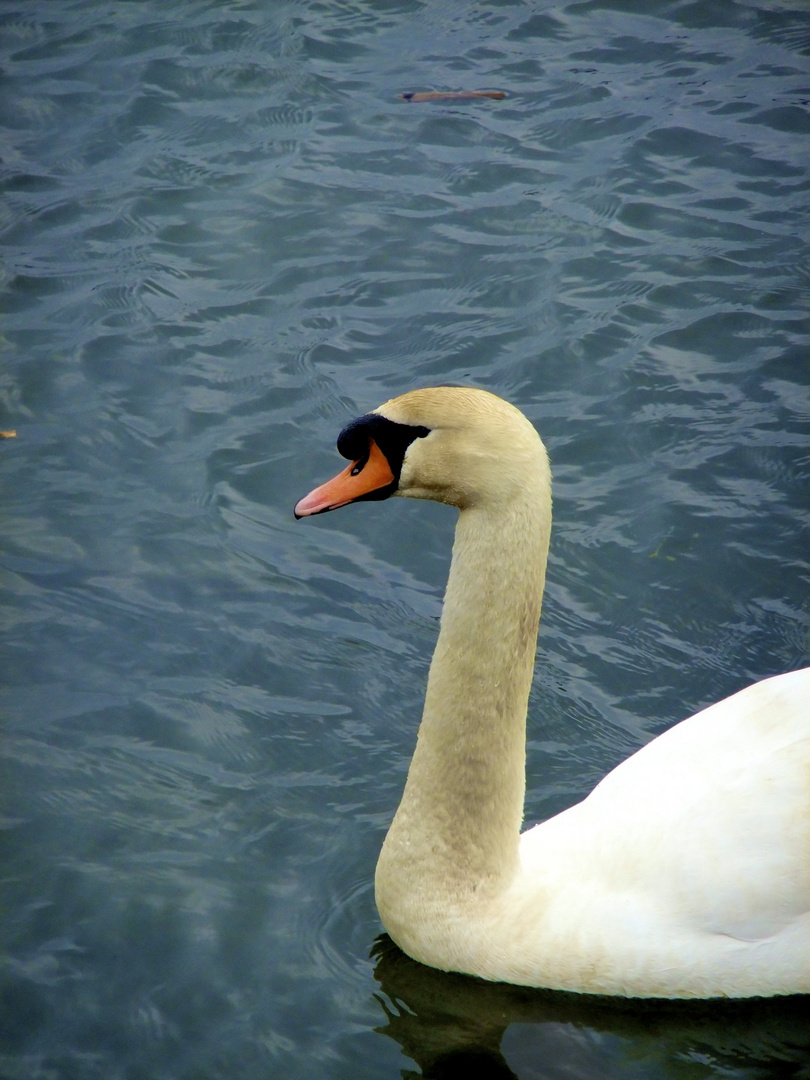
(363, 479)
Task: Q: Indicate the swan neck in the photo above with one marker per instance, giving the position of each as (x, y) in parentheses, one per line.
(461, 812)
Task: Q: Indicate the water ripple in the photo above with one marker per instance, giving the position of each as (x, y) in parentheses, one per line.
(223, 236)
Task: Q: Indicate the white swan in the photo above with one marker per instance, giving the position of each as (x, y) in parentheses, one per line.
(685, 873)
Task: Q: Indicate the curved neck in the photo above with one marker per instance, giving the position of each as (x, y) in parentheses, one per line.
(459, 820)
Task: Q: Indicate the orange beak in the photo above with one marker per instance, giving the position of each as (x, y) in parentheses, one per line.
(356, 481)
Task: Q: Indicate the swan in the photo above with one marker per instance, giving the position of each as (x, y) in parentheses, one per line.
(686, 871)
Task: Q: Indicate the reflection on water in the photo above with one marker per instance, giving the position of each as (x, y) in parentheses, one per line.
(223, 236)
(454, 1027)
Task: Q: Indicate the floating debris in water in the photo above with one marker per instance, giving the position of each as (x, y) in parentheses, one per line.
(452, 95)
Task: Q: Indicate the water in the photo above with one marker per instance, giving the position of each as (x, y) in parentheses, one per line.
(223, 236)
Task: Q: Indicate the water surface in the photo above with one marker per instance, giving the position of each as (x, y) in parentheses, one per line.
(223, 236)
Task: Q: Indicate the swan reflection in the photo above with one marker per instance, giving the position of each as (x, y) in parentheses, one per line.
(454, 1026)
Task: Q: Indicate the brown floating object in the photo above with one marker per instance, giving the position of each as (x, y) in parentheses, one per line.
(452, 95)
(8, 434)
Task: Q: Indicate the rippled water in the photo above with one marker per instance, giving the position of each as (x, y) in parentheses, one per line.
(223, 235)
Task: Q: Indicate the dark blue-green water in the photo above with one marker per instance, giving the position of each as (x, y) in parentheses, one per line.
(223, 236)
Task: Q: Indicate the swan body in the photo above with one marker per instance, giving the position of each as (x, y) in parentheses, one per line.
(685, 872)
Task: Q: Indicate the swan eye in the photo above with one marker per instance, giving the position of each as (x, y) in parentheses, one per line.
(358, 439)
(361, 462)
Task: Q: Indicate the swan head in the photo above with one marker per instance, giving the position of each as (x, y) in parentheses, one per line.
(454, 445)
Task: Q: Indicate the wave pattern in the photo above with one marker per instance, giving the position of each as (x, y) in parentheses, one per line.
(223, 234)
